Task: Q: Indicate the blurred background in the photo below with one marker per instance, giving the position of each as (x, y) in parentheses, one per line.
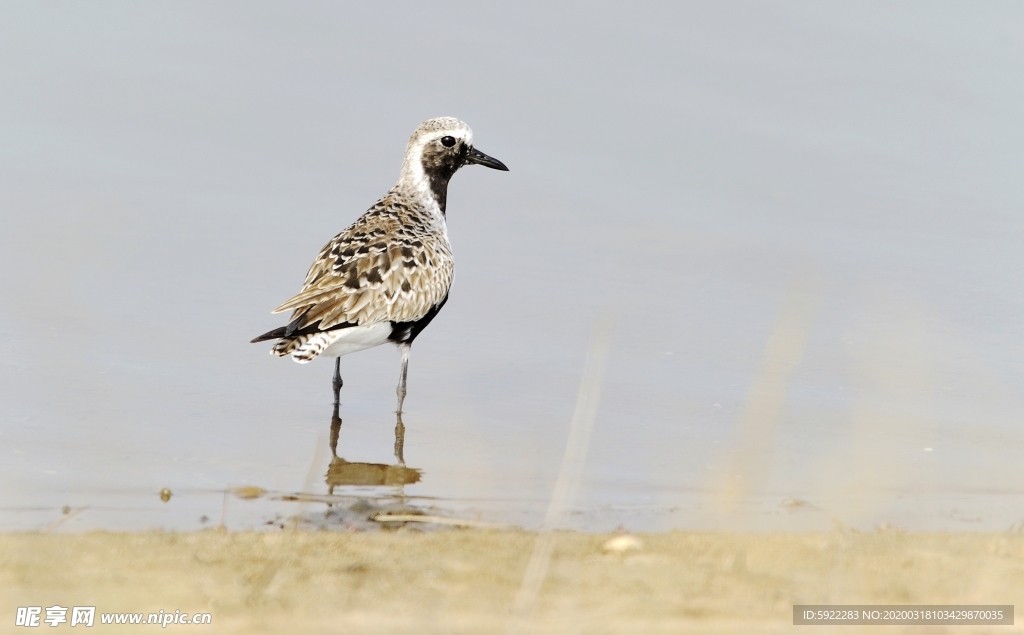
(806, 220)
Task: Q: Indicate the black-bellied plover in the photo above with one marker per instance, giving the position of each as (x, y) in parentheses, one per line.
(385, 277)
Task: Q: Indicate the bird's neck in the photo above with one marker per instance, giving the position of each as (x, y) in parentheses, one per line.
(429, 184)
(439, 191)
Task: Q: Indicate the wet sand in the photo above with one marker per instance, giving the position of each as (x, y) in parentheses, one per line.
(466, 581)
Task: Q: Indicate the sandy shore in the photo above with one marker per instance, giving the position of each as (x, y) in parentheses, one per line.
(466, 581)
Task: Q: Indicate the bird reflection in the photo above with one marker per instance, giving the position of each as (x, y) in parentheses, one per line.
(342, 472)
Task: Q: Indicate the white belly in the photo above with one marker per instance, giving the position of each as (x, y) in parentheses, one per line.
(358, 338)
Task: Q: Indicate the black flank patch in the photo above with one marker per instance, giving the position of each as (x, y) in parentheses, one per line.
(406, 332)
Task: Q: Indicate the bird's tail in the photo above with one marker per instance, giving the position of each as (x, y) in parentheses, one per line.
(304, 348)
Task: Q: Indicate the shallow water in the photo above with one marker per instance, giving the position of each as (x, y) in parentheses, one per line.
(806, 224)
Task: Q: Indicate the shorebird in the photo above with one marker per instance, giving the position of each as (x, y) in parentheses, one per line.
(385, 277)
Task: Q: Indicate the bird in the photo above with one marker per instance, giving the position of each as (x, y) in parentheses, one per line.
(385, 277)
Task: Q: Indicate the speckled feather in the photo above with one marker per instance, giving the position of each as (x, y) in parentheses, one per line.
(393, 264)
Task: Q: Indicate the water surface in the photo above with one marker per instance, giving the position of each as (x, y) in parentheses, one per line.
(806, 221)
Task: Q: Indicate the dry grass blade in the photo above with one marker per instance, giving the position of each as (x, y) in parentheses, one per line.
(570, 472)
(65, 518)
(438, 520)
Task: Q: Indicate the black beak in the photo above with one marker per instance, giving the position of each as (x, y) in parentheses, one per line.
(475, 156)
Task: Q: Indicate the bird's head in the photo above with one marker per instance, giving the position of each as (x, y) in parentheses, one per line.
(436, 150)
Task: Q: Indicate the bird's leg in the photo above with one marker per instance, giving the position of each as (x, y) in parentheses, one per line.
(401, 378)
(399, 426)
(337, 383)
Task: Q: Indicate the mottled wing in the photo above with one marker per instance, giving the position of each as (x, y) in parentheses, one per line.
(382, 268)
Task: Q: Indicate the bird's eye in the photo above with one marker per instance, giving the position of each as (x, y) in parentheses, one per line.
(447, 141)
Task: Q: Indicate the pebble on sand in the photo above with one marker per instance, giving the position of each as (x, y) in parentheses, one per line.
(623, 543)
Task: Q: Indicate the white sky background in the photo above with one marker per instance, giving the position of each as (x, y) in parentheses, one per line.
(168, 171)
